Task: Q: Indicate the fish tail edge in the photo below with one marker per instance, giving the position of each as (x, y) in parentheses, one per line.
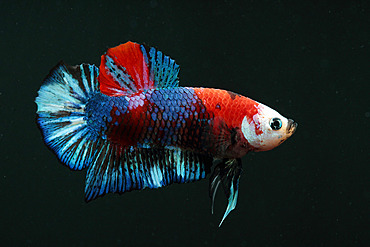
(61, 113)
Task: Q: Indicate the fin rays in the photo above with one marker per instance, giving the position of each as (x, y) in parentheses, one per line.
(227, 173)
(131, 67)
(117, 170)
(60, 112)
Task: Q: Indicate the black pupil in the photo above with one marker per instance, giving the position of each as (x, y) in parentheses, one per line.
(275, 123)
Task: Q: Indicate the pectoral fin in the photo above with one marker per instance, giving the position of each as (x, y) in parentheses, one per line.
(227, 173)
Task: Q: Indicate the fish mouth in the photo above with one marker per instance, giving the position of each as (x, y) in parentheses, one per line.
(292, 126)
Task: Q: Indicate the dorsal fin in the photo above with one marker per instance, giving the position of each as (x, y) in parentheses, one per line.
(130, 67)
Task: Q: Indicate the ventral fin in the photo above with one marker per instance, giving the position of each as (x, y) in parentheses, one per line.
(115, 170)
(130, 67)
(226, 173)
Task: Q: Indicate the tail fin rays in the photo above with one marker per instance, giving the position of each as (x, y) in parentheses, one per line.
(61, 112)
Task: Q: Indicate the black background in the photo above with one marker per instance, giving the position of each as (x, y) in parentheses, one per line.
(307, 59)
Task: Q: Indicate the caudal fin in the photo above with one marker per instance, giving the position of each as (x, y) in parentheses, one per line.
(61, 112)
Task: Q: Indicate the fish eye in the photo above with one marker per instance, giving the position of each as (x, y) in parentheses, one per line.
(275, 123)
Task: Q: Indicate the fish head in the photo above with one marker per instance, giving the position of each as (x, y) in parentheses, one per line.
(267, 129)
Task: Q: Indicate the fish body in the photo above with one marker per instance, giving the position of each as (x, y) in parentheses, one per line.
(202, 120)
(133, 127)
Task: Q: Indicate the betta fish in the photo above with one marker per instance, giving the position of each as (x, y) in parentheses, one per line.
(132, 126)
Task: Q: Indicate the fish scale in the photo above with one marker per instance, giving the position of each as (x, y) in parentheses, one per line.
(159, 123)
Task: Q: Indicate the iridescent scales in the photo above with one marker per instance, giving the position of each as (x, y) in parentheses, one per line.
(177, 118)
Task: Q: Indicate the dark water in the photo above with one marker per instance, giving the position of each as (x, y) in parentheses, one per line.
(309, 61)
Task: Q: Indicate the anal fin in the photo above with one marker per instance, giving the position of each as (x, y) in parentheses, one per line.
(227, 173)
(117, 170)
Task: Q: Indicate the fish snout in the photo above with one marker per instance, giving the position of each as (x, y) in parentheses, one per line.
(291, 128)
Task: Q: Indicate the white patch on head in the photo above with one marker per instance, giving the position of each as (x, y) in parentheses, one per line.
(258, 132)
(249, 132)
